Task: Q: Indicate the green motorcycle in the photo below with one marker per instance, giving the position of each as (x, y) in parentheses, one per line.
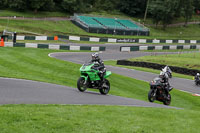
(90, 79)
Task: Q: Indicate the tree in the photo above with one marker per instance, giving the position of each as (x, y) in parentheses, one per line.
(69, 6)
(48, 6)
(106, 5)
(35, 5)
(163, 11)
(76, 6)
(156, 9)
(133, 7)
(187, 10)
(20, 5)
(3, 4)
(196, 4)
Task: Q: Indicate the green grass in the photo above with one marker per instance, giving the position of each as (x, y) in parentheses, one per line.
(187, 60)
(96, 119)
(114, 63)
(10, 13)
(194, 18)
(180, 32)
(34, 64)
(41, 27)
(67, 28)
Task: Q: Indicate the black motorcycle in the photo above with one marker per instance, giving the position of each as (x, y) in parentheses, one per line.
(158, 92)
(197, 81)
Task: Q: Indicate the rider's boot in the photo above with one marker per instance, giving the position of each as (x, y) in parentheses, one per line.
(170, 88)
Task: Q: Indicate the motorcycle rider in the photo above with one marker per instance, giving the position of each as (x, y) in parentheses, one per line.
(197, 76)
(167, 70)
(99, 65)
(164, 79)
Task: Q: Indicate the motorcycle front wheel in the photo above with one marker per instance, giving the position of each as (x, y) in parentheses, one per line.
(81, 85)
(197, 83)
(105, 88)
(151, 96)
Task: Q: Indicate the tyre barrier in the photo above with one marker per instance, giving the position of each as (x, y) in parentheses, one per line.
(54, 46)
(175, 69)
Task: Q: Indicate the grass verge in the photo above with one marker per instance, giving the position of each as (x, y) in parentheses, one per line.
(98, 119)
(34, 64)
(114, 63)
(66, 27)
(30, 14)
(186, 60)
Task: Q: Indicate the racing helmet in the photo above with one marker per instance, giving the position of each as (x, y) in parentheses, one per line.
(197, 74)
(95, 56)
(162, 74)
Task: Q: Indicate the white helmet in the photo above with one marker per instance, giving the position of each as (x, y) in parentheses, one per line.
(197, 74)
(162, 74)
(95, 56)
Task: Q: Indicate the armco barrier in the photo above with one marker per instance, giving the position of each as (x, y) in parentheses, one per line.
(54, 46)
(161, 47)
(108, 40)
(43, 38)
(158, 67)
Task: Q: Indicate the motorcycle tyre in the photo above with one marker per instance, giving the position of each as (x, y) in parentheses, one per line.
(81, 88)
(167, 102)
(150, 96)
(104, 91)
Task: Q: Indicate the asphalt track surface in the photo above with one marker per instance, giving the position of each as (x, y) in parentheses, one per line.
(18, 91)
(178, 83)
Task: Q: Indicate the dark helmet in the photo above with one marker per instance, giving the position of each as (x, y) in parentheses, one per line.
(95, 56)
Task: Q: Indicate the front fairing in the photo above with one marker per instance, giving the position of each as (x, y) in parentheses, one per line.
(155, 83)
(88, 71)
(108, 73)
(86, 67)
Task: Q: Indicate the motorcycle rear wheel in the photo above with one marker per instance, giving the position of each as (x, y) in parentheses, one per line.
(80, 84)
(104, 90)
(150, 96)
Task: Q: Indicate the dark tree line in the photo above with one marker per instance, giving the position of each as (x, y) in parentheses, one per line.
(165, 11)
(130, 7)
(161, 11)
